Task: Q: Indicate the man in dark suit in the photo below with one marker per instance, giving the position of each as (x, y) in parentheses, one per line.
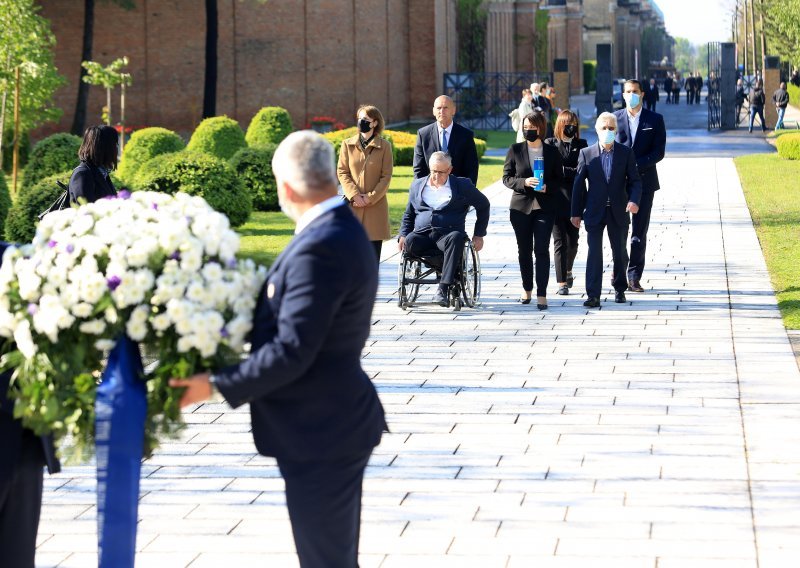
(614, 190)
(651, 95)
(644, 132)
(435, 218)
(22, 460)
(668, 88)
(312, 406)
(444, 135)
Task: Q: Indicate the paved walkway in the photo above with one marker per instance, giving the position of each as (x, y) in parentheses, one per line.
(661, 433)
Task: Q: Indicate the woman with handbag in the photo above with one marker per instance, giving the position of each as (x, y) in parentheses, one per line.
(365, 171)
(90, 181)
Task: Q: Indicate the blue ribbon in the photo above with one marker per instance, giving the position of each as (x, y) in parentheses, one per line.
(121, 409)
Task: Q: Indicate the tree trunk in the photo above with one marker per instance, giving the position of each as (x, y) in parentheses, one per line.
(210, 88)
(79, 120)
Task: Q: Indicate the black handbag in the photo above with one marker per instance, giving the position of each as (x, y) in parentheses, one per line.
(61, 202)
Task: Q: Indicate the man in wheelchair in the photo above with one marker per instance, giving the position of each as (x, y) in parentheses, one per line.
(434, 220)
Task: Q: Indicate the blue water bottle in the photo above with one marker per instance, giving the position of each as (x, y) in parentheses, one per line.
(538, 172)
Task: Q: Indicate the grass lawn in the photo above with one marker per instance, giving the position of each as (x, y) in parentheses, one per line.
(770, 187)
(266, 233)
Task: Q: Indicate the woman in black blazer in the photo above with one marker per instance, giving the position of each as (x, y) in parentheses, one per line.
(533, 204)
(568, 142)
(90, 181)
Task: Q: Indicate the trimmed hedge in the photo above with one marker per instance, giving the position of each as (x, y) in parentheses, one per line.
(52, 155)
(254, 168)
(5, 202)
(20, 225)
(789, 146)
(200, 174)
(8, 149)
(270, 125)
(144, 145)
(589, 76)
(218, 136)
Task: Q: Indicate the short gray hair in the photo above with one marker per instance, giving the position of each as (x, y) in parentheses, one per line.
(306, 161)
(604, 117)
(440, 157)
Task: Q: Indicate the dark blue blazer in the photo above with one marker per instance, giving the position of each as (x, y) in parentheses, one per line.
(460, 146)
(624, 185)
(11, 430)
(309, 397)
(650, 145)
(422, 218)
(89, 183)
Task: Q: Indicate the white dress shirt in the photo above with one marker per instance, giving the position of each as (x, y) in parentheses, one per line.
(319, 209)
(633, 124)
(437, 198)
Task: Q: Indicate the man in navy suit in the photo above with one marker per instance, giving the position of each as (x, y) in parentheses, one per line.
(22, 460)
(643, 131)
(444, 135)
(614, 190)
(312, 406)
(435, 217)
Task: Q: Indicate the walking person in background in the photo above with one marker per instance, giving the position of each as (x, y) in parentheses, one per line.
(651, 96)
(524, 109)
(365, 171)
(568, 142)
(614, 191)
(668, 88)
(533, 204)
(698, 86)
(781, 99)
(740, 97)
(757, 100)
(91, 181)
(644, 133)
(688, 84)
(676, 89)
(539, 100)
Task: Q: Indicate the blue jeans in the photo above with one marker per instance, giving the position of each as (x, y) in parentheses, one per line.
(781, 112)
(760, 111)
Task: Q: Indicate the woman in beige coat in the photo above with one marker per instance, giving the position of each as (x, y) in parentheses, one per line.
(365, 170)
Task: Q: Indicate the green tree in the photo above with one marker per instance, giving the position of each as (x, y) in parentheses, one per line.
(471, 28)
(782, 27)
(27, 43)
(108, 77)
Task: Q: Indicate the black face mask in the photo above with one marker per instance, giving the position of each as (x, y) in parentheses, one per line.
(570, 130)
(531, 135)
(364, 125)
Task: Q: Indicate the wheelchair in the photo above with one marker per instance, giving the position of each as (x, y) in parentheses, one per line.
(415, 271)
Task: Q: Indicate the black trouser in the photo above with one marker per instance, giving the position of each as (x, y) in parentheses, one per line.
(617, 237)
(533, 231)
(650, 105)
(429, 244)
(21, 504)
(324, 502)
(377, 245)
(565, 246)
(639, 227)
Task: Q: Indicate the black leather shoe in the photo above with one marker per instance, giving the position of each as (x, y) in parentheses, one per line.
(524, 300)
(563, 291)
(592, 303)
(619, 297)
(570, 279)
(541, 306)
(635, 286)
(441, 298)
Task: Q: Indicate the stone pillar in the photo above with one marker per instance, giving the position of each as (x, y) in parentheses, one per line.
(727, 85)
(561, 82)
(556, 34)
(605, 75)
(575, 45)
(431, 52)
(524, 35)
(621, 48)
(772, 80)
(500, 49)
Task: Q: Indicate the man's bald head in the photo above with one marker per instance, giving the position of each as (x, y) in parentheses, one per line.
(443, 110)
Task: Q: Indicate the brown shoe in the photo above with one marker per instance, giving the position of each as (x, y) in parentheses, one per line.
(634, 286)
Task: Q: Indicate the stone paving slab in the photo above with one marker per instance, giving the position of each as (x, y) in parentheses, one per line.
(661, 433)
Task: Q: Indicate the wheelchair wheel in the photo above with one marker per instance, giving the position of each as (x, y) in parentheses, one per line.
(406, 292)
(471, 277)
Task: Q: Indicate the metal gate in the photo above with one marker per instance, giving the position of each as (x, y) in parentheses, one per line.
(714, 96)
(484, 100)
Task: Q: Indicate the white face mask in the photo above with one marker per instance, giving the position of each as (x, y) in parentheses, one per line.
(605, 136)
(632, 99)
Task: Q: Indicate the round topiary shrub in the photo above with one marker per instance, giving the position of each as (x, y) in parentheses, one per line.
(52, 155)
(198, 174)
(219, 136)
(20, 225)
(5, 202)
(254, 168)
(789, 146)
(144, 145)
(270, 125)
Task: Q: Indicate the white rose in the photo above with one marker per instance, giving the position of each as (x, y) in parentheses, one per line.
(82, 310)
(24, 340)
(93, 327)
(104, 344)
(185, 344)
(136, 330)
(161, 322)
